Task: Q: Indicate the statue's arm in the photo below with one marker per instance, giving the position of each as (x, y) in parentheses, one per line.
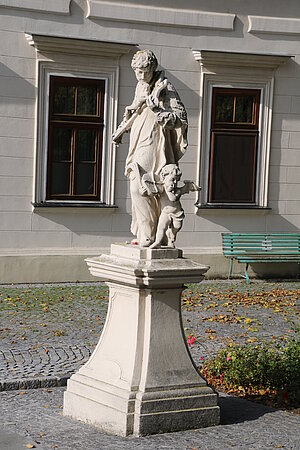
(131, 112)
(189, 186)
(124, 126)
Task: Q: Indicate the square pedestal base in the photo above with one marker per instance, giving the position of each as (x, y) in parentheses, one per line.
(141, 378)
(139, 413)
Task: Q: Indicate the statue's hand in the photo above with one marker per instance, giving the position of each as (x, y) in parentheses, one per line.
(152, 101)
(160, 86)
(131, 109)
(117, 138)
(128, 113)
(189, 186)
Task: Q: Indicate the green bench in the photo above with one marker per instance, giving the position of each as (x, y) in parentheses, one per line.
(261, 248)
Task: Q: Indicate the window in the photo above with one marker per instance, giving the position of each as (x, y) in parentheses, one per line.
(236, 96)
(75, 139)
(77, 105)
(233, 146)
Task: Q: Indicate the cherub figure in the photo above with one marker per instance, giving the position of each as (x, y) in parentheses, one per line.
(172, 214)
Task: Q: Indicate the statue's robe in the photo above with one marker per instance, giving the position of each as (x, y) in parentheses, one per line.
(158, 137)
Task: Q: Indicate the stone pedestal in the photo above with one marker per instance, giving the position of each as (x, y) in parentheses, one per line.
(141, 378)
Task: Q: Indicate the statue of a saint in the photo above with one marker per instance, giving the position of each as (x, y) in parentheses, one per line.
(157, 121)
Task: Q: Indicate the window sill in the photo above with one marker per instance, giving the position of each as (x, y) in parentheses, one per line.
(231, 209)
(72, 207)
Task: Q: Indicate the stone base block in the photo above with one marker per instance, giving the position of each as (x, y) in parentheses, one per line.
(175, 410)
(169, 421)
(93, 412)
(125, 413)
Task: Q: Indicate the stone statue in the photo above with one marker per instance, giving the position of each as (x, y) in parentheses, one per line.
(172, 214)
(157, 122)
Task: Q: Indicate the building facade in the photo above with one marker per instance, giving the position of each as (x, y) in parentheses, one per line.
(65, 79)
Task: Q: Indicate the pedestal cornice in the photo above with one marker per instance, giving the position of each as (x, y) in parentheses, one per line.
(143, 267)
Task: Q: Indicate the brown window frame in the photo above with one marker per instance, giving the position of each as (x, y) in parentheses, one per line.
(76, 122)
(235, 129)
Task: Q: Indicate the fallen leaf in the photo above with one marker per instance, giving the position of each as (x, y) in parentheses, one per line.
(247, 320)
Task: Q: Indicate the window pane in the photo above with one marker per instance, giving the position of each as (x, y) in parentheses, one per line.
(244, 109)
(87, 100)
(64, 99)
(86, 145)
(233, 168)
(60, 178)
(84, 178)
(224, 108)
(62, 138)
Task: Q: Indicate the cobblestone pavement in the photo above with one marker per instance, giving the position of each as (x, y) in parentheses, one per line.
(48, 331)
(40, 366)
(37, 415)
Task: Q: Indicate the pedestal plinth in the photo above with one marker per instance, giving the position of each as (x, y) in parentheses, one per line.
(141, 378)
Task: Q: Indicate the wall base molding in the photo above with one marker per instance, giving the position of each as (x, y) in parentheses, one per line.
(59, 268)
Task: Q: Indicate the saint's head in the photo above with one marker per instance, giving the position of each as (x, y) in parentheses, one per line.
(144, 64)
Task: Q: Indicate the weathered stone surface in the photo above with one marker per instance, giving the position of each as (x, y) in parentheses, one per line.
(141, 378)
(157, 121)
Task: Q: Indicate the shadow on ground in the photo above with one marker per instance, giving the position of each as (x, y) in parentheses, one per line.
(236, 410)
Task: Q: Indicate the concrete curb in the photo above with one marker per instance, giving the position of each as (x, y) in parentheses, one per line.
(34, 383)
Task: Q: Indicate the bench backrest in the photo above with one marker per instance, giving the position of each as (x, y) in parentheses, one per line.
(261, 244)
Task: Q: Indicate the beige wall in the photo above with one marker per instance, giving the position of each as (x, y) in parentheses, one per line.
(24, 231)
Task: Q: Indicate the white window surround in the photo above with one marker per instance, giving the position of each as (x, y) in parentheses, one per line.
(236, 70)
(82, 59)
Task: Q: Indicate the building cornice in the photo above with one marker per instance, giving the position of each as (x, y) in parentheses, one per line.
(274, 25)
(45, 44)
(41, 6)
(123, 12)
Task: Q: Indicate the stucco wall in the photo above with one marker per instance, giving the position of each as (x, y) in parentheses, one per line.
(24, 230)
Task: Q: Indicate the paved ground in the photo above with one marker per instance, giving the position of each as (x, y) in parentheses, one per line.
(47, 332)
(37, 414)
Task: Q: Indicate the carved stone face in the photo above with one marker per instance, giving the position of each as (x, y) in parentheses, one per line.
(144, 75)
(171, 176)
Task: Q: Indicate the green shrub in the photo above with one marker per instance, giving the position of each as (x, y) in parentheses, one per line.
(266, 366)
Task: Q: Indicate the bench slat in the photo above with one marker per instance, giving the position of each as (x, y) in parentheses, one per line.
(262, 234)
(266, 260)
